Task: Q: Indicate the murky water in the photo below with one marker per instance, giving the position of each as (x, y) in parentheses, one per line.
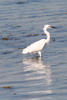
(24, 77)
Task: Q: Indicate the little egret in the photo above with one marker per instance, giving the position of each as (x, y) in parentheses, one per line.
(37, 46)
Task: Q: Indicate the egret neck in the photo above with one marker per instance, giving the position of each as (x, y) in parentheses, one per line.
(48, 36)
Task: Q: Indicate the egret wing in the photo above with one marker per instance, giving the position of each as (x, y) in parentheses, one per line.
(35, 47)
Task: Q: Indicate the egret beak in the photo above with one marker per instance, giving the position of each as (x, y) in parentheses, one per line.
(53, 27)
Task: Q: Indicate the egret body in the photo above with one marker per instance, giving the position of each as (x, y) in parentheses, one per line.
(37, 46)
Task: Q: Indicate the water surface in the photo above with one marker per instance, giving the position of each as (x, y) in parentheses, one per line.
(24, 77)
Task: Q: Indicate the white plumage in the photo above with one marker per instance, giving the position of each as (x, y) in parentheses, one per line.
(37, 46)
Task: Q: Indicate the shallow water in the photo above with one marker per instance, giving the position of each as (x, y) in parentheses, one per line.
(24, 77)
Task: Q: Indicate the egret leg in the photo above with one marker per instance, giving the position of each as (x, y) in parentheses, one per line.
(39, 53)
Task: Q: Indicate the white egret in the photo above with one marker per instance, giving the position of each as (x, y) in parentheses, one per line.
(37, 46)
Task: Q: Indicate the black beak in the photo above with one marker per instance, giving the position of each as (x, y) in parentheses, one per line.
(53, 27)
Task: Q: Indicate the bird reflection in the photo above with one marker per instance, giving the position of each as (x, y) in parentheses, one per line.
(39, 68)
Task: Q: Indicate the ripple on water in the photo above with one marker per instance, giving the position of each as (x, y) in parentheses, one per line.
(21, 23)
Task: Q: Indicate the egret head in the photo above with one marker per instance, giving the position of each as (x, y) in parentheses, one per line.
(48, 26)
